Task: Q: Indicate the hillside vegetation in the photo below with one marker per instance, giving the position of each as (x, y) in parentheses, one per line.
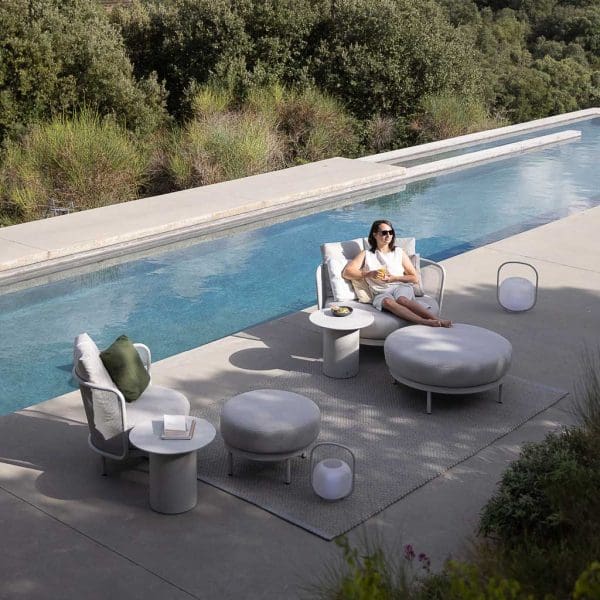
(290, 81)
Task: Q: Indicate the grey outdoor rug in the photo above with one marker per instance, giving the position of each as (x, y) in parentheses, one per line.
(398, 446)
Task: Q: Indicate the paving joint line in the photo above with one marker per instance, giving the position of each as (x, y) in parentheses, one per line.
(99, 543)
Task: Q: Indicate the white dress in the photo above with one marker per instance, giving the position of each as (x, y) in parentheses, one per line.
(380, 289)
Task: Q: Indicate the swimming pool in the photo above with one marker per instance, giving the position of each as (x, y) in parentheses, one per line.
(179, 299)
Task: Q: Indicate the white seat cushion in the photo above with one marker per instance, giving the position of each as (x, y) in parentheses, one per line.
(270, 422)
(461, 356)
(155, 402)
(385, 322)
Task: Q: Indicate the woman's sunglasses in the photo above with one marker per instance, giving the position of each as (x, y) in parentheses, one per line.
(386, 232)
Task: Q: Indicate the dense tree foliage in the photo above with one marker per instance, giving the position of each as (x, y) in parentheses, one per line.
(56, 55)
(359, 76)
(375, 57)
(182, 41)
(384, 57)
(539, 57)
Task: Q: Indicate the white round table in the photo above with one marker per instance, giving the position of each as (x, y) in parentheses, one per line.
(341, 339)
(173, 464)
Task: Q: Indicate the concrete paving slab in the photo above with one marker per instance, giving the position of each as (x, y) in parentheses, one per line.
(227, 548)
(44, 559)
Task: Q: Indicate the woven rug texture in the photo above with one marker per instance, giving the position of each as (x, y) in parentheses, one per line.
(398, 447)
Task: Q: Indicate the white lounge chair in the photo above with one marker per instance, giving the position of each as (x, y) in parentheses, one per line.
(332, 288)
(109, 417)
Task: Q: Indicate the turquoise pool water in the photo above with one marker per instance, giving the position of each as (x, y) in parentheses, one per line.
(180, 299)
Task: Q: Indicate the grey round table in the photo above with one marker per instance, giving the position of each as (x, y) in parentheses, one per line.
(341, 339)
(173, 464)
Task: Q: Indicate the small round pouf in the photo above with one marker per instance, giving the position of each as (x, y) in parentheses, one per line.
(269, 425)
(461, 359)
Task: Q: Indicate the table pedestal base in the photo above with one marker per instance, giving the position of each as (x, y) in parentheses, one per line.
(173, 482)
(340, 353)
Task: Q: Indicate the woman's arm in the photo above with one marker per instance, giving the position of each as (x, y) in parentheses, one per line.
(354, 270)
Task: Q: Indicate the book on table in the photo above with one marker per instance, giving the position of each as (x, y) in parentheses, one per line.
(178, 427)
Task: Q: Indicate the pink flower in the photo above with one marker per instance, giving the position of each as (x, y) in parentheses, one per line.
(409, 553)
(425, 561)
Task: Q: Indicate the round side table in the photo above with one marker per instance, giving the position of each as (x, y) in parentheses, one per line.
(341, 340)
(173, 464)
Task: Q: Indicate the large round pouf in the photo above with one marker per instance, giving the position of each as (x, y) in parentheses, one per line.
(461, 359)
(269, 425)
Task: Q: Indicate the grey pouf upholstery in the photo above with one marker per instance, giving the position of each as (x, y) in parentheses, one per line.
(461, 359)
(269, 425)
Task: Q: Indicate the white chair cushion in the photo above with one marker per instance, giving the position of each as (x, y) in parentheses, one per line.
(270, 422)
(335, 257)
(408, 244)
(341, 288)
(346, 250)
(362, 290)
(385, 322)
(461, 356)
(90, 367)
(155, 402)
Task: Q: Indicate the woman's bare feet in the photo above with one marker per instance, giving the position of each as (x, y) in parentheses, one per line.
(436, 323)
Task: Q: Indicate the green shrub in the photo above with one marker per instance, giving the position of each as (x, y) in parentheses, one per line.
(313, 125)
(545, 518)
(372, 571)
(464, 581)
(57, 54)
(546, 493)
(281, 36)
(222, 147)
(383, 57)
(381, 133)
(182, 41)
(588, 392)
(448, 115)
(587, 587)
(210, 100)
(84, 162)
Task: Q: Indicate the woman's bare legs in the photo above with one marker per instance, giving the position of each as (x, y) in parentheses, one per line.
(412, 311)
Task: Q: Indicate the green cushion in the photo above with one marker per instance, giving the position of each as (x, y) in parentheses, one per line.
(126, 368)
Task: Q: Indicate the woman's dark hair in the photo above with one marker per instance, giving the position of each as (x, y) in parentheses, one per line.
(374, 229)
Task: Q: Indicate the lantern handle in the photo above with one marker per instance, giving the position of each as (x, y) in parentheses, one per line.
(516, 262)
(337, 446)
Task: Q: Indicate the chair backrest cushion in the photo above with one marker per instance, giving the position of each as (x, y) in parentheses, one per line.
(408, 244)
(335, 258)
(87, 362)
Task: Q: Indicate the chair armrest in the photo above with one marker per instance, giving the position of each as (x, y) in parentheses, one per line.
(319, 282)
(433, 279)
(145, 355)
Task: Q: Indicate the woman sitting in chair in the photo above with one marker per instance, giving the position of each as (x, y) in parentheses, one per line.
(390, 275)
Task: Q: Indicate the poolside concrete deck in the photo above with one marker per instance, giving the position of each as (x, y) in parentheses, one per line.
(70, 533)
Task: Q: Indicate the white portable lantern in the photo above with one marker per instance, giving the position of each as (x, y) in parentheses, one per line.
(517, 294)
(332, 478)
